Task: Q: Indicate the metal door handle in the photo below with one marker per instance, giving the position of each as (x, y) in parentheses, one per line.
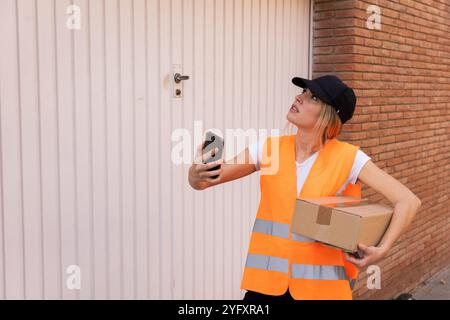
(178, 77)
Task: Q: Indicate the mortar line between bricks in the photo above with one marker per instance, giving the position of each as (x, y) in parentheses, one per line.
(381, 64)
(374, 55)
(432, 77)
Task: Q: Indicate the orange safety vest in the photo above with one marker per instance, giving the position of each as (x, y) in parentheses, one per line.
(279, 259)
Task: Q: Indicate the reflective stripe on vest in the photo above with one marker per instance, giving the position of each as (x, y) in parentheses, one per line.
(318, 272)
(260, 261)
(272, 228)
(278, 229)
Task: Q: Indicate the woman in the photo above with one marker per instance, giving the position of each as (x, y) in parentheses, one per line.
(312, 163)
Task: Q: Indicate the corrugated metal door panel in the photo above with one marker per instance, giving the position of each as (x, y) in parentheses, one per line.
(49, 151)
(11, 135)
(30, 166)
(154, 143)
(114, 271)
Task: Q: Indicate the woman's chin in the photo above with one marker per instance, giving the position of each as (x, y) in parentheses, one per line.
(289, 118)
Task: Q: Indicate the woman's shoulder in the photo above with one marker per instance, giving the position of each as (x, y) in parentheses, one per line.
(347, 144)
(361, 156)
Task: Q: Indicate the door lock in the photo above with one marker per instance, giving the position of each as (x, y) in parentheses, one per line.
(178, 77)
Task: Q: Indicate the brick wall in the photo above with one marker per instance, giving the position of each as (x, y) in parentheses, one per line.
(401, 76)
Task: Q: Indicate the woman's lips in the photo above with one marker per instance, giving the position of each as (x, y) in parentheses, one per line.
(293, 109)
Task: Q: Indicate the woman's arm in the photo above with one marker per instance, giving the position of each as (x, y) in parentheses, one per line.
(238, 167)
(406, 204)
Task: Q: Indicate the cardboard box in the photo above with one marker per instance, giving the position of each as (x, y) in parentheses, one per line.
(341, 222)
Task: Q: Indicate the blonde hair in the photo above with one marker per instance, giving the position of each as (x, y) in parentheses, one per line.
(328, 125)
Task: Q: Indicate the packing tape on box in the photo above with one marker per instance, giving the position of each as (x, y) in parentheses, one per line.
(324, 214)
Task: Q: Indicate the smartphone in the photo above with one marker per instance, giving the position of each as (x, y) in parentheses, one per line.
(211, 142)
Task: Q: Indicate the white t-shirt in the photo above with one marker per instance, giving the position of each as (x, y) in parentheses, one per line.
(303, 168)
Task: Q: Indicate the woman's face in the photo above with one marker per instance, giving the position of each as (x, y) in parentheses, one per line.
(305, 110)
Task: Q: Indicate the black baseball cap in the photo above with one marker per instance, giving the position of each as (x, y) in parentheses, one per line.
(331, 90)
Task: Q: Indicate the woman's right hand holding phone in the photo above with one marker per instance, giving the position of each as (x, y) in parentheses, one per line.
(199, 176)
